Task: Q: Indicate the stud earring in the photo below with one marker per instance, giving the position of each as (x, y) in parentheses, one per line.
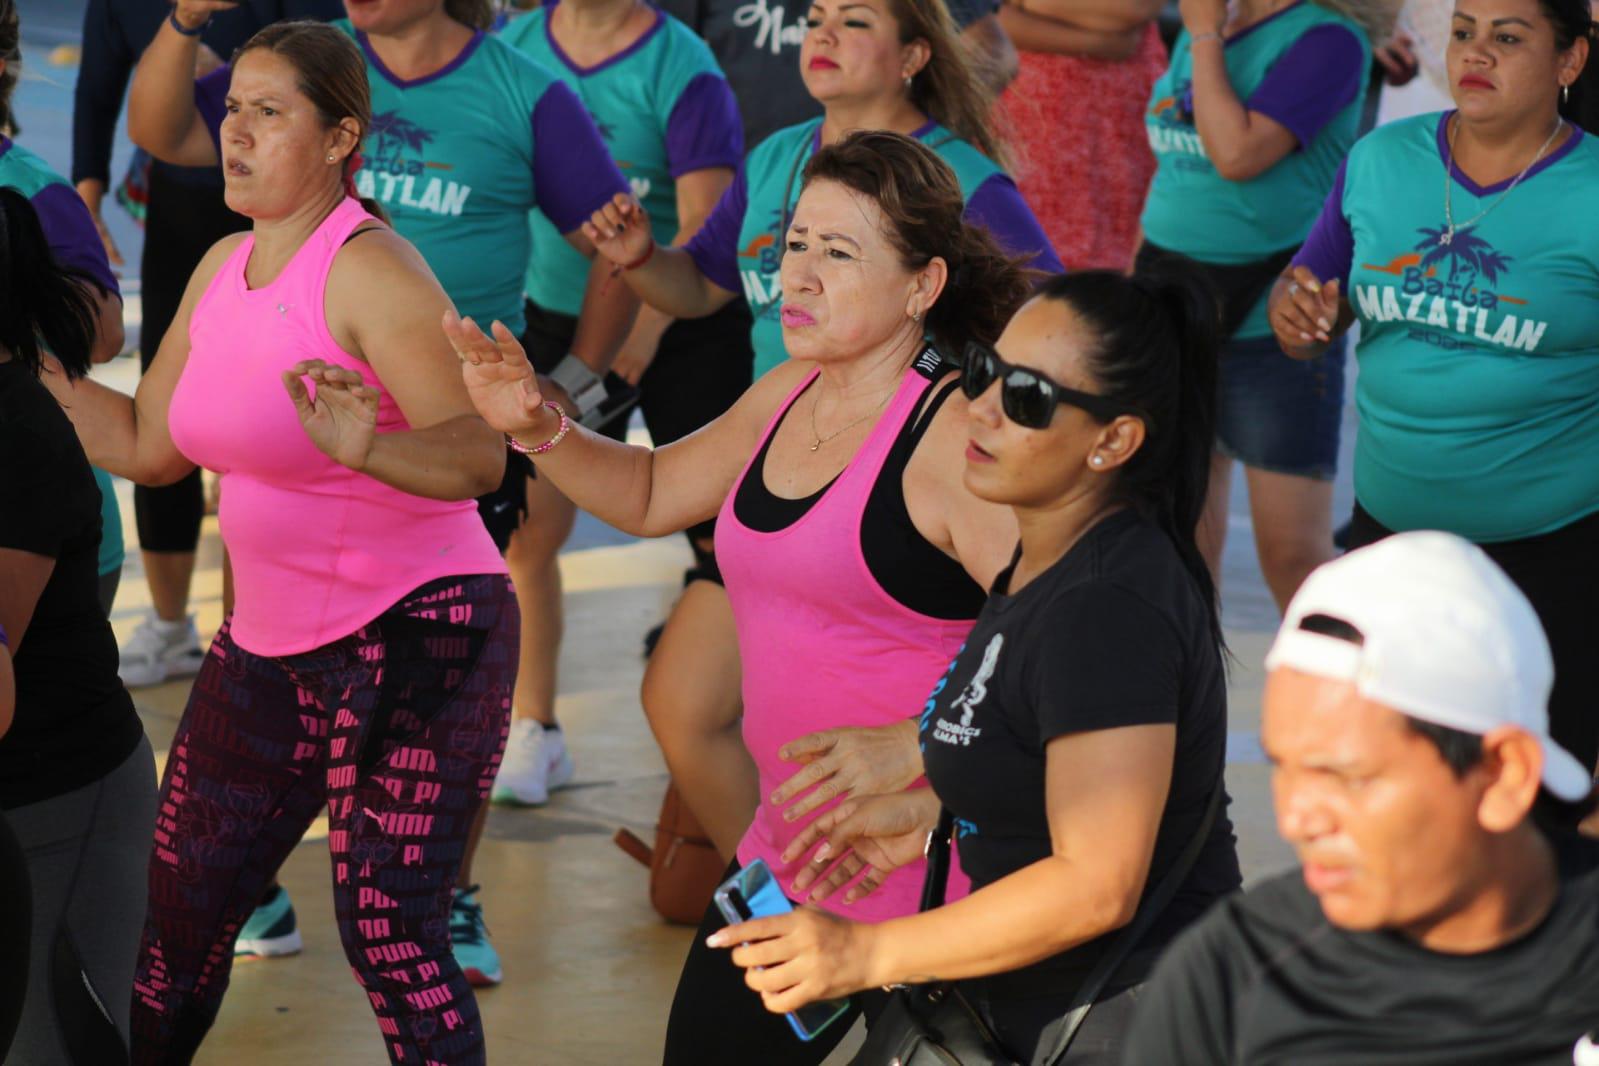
(330, 159)
(1098, 460)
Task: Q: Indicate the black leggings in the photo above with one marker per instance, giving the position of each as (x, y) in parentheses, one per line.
(716, 1017)
(1559, 573)
(16, 919)
(183, 222)
(395, 732)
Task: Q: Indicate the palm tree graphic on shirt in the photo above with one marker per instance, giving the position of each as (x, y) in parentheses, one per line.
(395, 134)
(1468, 255)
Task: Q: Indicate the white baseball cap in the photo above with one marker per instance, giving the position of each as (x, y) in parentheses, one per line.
(1447, 638)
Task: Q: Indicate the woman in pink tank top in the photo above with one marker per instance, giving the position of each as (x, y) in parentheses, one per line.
(366, 669)
(854, 557)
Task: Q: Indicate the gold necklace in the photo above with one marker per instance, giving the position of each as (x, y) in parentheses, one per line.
(821, 440)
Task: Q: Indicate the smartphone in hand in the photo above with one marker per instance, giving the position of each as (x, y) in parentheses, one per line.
(754, 893)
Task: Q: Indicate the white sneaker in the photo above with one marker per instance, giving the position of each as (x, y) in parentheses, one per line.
(536, 763)
(158, 651)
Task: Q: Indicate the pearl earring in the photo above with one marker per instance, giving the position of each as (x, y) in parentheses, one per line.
(1565, 94)
(330, 159)
(1098, 460)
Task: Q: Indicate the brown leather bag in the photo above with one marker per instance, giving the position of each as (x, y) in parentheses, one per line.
(684, 865)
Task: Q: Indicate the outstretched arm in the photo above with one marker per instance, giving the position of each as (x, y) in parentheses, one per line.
(637, 490)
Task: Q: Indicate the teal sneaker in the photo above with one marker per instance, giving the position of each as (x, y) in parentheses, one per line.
(271, 931)
(470, 938)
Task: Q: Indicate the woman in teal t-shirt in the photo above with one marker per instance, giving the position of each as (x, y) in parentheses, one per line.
(1260, 104)
(669, 119)
(1461, 243)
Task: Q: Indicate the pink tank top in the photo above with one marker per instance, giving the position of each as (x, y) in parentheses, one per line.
(824, 646)
(318, 550)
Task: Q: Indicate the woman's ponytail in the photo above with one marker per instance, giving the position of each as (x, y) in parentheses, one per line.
(43, 305)
(1158, 335)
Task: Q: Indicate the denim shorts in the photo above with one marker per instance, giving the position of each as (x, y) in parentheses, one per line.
(1279, 414)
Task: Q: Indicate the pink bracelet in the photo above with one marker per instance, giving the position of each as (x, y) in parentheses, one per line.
(566, 427)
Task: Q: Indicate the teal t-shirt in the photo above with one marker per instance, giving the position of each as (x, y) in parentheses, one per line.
(663, 109)
(458, 158)
(1478, 389)
(1306, 68)
(773, 175)
(70, 231)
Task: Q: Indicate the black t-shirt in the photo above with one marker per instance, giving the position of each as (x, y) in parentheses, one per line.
(1114, 634)
(757, 45)
(1266, 979)
(75, 722)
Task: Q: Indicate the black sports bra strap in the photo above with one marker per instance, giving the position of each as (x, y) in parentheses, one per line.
(924, 418)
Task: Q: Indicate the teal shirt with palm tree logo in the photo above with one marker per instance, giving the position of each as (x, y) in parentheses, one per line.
(1478, 388)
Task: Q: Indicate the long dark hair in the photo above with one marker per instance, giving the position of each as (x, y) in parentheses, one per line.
(1157, 346)
(43, 305)
(923, 209)
(1573, 22)
(11, 52)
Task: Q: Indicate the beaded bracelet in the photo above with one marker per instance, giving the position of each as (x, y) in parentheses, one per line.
(560, 434)
(181, 28)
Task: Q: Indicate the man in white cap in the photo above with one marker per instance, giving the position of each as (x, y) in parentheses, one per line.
(1438, 917)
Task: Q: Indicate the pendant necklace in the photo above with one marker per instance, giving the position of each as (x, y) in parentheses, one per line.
(820, 440)
(1450, 225)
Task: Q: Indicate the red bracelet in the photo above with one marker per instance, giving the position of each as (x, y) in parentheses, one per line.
(641, 260)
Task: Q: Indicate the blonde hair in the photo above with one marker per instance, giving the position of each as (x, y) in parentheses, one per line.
(1376, 17)
(948, 88)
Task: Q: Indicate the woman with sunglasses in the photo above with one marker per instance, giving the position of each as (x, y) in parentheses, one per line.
(854, 558)
(1079, 737)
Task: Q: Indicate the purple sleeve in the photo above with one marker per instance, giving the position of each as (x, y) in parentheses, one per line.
(714, 248)
(70, 230)
(704, 129)
(1329, 251)
(1312, 81)
(998, 205)
(210, 97)
(574, 174)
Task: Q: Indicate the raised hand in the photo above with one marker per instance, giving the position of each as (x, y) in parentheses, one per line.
(620, 230)
(1305, 311)
(499, 378)
(196, 13)
(342, 419)
(874, 837)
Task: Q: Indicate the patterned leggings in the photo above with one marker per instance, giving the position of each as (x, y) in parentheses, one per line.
(398, 729)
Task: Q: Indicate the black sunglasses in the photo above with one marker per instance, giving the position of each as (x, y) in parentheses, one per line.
(1028, 397)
